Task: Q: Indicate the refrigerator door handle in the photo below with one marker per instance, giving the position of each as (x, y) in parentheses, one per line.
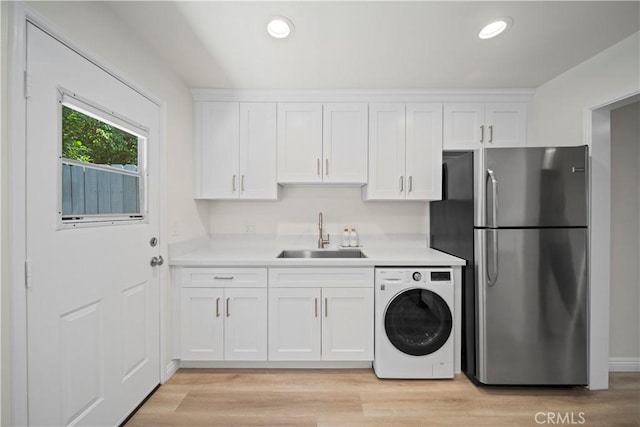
(494, 196)
(494, 260)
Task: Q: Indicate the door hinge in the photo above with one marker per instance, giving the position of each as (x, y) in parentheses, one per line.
(27, 85)
(27, 274)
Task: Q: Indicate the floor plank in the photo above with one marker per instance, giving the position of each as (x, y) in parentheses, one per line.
(356, 398)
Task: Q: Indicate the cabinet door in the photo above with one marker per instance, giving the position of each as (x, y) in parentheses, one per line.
(344, 143)
(217, 151)
(294, 324)
(424, 151)
(258, 151)
(506, 124)
(463, 126)
(299, 142)
(245, 324)
(386, 152)
(347, 324)
(201, 324)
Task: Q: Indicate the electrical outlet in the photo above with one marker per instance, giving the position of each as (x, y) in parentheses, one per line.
(250, 228)
(175, 228)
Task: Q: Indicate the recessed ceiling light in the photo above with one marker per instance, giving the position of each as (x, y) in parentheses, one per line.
(280, 27)
(496, 27)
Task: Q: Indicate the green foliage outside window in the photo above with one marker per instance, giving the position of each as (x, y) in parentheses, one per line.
(89, 140)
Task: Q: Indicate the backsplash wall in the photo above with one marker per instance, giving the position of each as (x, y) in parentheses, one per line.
(296, 212)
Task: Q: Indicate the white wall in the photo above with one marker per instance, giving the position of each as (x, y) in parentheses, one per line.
(296, 212)
(558, 105)
(625, 232)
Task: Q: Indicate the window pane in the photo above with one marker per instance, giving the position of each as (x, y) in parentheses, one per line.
(90, 140)
(100, 174)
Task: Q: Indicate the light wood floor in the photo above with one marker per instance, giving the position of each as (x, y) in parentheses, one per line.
(355, 397)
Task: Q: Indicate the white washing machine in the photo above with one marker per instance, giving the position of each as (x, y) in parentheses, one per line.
(414, 323)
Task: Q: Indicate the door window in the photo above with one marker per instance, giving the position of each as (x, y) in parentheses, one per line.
(418, 322)
(102, 165)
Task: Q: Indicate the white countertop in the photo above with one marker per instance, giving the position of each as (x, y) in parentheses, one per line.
(263, 251)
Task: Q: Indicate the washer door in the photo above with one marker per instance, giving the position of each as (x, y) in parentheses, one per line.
(418, 322)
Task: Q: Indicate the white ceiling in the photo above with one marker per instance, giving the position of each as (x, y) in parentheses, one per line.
(377, 45)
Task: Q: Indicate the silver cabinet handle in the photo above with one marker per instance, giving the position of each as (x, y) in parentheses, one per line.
(316, 306)
(242, 183)
(318, 166)
(410, 183)
(401, 184)
(326, 307)
(222, 277)
(156, 261)
(491, 133)
(326, 166)
(228, 312)
(482, 133)
(217, 307)
(233, 183)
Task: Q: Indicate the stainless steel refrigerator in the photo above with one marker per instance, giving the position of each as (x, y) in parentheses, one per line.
(519, 217)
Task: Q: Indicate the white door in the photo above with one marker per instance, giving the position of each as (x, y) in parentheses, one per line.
(258, 178)
(202, 324)
(299, 142)
(386, 152)
(347, 324)
(294, 324)
(217, 150)
(93, 297)
(424, 151)
(506, 124)
(245, 324)
(464, 127)
(344, 142)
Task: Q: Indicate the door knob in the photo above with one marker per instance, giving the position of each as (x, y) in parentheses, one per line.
(157, 261)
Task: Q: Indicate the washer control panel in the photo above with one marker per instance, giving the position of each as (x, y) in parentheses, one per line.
(393, 277)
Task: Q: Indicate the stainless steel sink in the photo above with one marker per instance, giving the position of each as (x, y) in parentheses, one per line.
(321, 253)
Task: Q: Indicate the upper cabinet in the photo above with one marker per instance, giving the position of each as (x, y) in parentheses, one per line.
(299, 142)
(235, 150)
(322, 143)
(344, 143)
(247, 143)
(468, 126)
(405, 151)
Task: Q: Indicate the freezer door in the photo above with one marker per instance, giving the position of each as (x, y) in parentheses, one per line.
(532, 306)
(533, 187)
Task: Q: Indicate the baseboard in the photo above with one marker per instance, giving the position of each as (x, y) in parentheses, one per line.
(172, 368)
(624, 364)
(278, 364)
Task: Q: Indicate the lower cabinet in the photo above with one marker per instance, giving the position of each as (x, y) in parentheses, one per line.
(276, 314)
(223, 324)
(320, 324)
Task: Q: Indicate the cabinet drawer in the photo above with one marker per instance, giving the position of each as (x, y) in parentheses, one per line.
(320, 277)
(223, 277)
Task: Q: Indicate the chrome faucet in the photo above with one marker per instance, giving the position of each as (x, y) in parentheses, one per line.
(321, 240)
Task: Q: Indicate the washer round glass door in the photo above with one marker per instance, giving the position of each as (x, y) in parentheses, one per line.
(418, 322)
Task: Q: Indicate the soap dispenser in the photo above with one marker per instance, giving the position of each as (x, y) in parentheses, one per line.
(345, 238)
(353, 237)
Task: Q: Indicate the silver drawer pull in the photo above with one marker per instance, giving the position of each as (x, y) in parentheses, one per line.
(576, 169)
(222, 277)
